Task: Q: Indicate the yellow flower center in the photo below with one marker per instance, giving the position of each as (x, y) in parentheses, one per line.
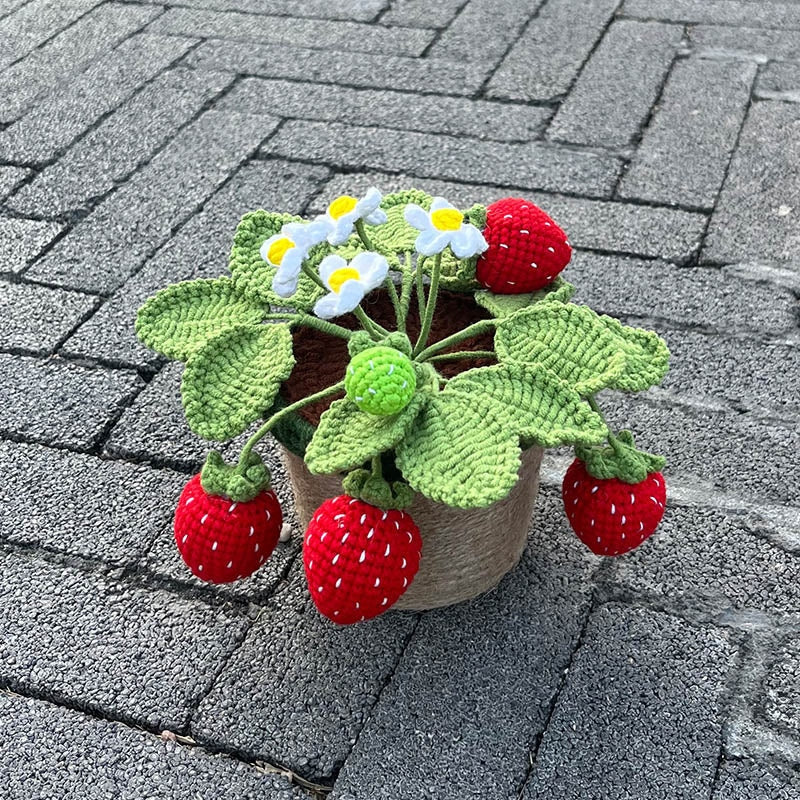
(447, 219)
(339, 276)
(342, 205)
(278, 249)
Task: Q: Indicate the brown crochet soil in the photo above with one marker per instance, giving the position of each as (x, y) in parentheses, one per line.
(322, 359)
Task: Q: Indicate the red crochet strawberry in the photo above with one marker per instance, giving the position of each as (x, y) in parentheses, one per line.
(358, 558)
(220, 538)
(609, 515)
(526, 251)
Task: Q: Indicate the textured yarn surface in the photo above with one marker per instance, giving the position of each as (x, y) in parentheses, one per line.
(610, 516)
(527, 250)
(380, 381)
(359, 559)
(221, 540)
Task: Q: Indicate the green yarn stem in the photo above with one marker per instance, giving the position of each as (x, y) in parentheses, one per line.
(405, 294)
(244, 458)
(377, 466)
(475, 329)
(612, 440)
(314, 277)
(464, 354)
(418, 274)
(430, 305)
(324, 325)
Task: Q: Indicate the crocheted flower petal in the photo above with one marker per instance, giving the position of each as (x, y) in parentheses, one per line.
(467, 242)
(372, 269)
(418, 217)
(439, 203)
(341, 229)
(369, 202)
(432, 241)
(377, 217)
(350, 295)
(327, 307)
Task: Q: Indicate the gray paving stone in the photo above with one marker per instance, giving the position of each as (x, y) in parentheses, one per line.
(704, 558)
(716, 451)
(62, 117)
(687, 146)
(483, 30)
(299, 689)
(57, 402)
(640, 714)
(82, 505)
(757, 44)
(21, 240)
(35, 318)
(619, 84)
(362, 10)
(314, 33)
(384, 70)
(115, 239)
(758, 213)
(535, 166)
(145, 655)
(108, 759)
(457, 718)
(721, 12)
(49, 67)
(34, 23)
(452, 115)
(594, 224)
(420, 13)
(746, 780)
(745, 373)
(199, 249)
(127, 138)
(10, 178)
(781, 692)
(545, 60)
(779, 80)
(706, 297)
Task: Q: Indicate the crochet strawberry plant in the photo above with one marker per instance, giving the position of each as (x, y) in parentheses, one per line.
(414, 349)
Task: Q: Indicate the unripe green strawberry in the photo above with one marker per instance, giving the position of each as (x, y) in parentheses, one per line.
(380, 380)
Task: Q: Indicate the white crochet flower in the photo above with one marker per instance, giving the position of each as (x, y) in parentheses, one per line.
(286, 251)
(345, 211)
(444, 225)
(349, 283)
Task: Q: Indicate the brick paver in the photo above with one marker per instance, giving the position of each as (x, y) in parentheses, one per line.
(663, 135)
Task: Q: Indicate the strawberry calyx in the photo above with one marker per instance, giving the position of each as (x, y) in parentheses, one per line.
(476, 215)
(239, 483)
(620, 459)
(361, 341)
(374, 489)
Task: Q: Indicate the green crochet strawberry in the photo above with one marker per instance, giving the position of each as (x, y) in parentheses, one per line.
(358, 558)
(527, 250)
(380, 380)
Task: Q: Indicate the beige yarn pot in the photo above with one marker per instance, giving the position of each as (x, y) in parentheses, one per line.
(465, 552)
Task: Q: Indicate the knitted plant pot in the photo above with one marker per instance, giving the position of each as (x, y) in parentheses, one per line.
(414, 359)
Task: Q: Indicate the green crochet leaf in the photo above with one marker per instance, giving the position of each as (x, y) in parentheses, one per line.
(535, 404)
(460, 451)
(231, 381)
(504, 305)
(588, 351)
(180, 319)
(252, 276)
(347, 437)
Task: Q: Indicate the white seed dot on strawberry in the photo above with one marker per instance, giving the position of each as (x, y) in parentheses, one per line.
(623, 536)
(534, 265)
(255, 550)
(523, 230)
(598, 540)
(576, 484)
(593, 523)
(203, 519)
(214, 546)
(371, 390)
(344, 538)
(185, 537)
(504, 246)
(551, 250)
(594, 489)
(363, 517)
(410, 537)
(232, 508)
(311, 564)
(352, 500)
(403, 565)
(269, 516)
(323, 535)
(387, 550)
(508, 216)
(338, 582)
(335, 613)
(335, 559)
(230, 565)
(377, 582)
(384, 516)
(623, 519)
(547, 224)
(405, 582)
(262, 559)
(337, 517)
(358, 606)
(252, 530)
(613, 509)
(189, 500)
(362, 556)
(575, 502)
(371, 533)
(319, 589)
(199, 567)
(633, 498)
(385, 601)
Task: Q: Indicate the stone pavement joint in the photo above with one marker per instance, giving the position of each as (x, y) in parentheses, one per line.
(663, 136)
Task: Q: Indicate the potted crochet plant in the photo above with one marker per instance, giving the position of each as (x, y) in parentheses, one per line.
(413, 359)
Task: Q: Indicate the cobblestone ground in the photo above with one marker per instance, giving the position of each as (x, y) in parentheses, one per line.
(664, 135)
